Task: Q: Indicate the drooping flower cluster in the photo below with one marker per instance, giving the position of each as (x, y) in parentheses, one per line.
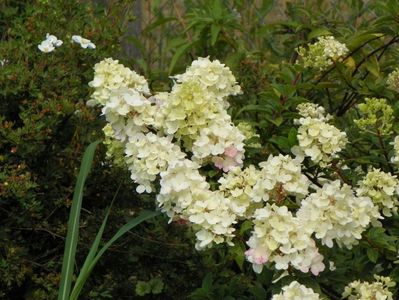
(377, 116)
(151, 129)
(335, 214)
(296, 291)
(382, 188)
(322, 54)
(280, 238)
(316, 138)
(393, 80)
(378, 290)
(184, 192)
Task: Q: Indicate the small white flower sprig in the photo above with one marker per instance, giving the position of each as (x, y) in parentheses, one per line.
(167, 137)
(51, 42)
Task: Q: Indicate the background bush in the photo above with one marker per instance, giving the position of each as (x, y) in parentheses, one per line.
(45, 125)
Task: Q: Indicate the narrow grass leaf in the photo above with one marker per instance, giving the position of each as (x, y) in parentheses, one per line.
(73, 224)
(143, 216)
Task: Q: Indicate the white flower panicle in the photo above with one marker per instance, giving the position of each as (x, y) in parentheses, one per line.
(213, 76)
(84, 43)
(280, 238)
(322, 54)
(378, 290)
(296, 291)
(110, 75)
(185, 193)
(382, 188)
(237, 185)
(49, 44)
(280, 177)
(317, 139)
(336, 214)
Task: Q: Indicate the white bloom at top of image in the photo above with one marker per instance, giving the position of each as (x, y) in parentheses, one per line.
(46, 46)
(84, 43)
(49, 44)
(54, 40)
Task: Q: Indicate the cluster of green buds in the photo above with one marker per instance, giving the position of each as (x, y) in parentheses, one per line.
(377, 116)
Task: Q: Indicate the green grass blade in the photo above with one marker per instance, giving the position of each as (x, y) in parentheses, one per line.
(143, 216)
(84, 271)
(73, 224)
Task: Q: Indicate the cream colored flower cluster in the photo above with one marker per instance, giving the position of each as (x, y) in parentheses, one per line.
(149, 130)
(284, 240)
(222, 142)
(322, 54)
(147, 155)
(316, 138)
(213, 76)
(281, 176)
(110, 75)
(185, 193)
(335, 214)
(296, 291)
(378, 290)
(237, 185)
(382, 188)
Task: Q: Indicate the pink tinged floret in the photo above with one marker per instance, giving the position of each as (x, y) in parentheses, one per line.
(256, 257)
(231, 151)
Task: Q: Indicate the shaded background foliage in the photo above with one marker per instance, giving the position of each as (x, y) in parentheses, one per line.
(45, 125)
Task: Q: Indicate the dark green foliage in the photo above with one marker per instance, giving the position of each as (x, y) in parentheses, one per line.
(45, 126)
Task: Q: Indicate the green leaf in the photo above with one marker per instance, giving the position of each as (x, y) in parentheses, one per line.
(179, 52)
(215, 29)
(318, 32)
(73, 224)
(372, 254)
(361, 39)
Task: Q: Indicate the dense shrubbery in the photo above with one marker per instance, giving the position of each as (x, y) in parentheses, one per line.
(278, 64)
